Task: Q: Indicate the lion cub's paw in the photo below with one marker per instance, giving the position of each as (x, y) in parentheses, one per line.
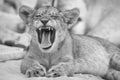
(58, 70)
(36, 71)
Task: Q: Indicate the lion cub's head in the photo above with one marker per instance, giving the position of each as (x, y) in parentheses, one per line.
(48, 25)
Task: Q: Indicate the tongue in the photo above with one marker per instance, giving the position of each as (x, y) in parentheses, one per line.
(45, 40)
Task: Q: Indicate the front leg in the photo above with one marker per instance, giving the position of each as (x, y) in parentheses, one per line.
(32, 68)
(113, 74)
(62, 69)
(57, 71)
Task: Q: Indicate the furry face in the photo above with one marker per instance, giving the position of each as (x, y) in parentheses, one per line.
(49, 24)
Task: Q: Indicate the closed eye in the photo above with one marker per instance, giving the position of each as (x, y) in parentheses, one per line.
(38, 16)
(55, 17)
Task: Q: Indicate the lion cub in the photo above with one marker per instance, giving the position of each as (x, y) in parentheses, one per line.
(54, 51)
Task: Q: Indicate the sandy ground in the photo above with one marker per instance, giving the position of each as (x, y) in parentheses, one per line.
(10, 70)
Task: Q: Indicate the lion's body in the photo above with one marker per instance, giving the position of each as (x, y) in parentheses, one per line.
(91, 55)
(68, 53)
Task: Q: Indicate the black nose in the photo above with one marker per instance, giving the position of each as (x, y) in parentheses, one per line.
(44, 22)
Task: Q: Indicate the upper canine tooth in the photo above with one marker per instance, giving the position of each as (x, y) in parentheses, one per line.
(40, 29)
(49, 28)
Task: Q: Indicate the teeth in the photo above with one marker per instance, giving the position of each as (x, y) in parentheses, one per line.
(48, 32)
(40, 29)
(49, 28)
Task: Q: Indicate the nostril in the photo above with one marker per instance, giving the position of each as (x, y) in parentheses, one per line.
(44, 21)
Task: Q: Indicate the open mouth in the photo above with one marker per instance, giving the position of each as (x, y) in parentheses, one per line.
(46, 36)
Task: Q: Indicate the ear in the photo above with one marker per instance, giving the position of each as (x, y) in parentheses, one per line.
(24, 12)
(71, 16)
